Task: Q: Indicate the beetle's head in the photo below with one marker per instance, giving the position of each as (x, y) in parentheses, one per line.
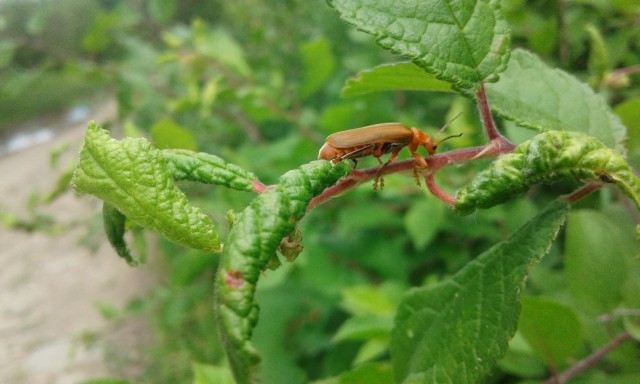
(422, 138)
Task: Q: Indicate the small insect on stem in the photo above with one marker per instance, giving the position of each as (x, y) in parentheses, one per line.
(377, 140)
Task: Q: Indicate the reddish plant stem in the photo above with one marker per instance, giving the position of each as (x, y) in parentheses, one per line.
(582, 191)
(485, 114)
(434, 162)
(588, 361)
(259, 186)
(437, 191)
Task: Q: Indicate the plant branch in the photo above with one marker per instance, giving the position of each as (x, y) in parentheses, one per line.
(582, 191)
(588, 361)
(434, 162)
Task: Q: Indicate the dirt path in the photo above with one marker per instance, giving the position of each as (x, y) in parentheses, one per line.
(49, 284)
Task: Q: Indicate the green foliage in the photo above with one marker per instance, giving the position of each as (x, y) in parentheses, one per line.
(222, 79)
(268, 219)
(131, 176)
(536, 96)
(455, 331)
(548, 157)
(461, 44)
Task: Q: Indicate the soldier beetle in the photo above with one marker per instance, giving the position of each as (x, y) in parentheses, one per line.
(377, 140)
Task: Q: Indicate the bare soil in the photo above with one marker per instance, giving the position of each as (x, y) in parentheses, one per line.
(50, 284)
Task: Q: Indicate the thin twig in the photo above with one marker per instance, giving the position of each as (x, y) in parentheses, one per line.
(588, 361)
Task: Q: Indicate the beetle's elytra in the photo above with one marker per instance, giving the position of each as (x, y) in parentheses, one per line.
(377, 140)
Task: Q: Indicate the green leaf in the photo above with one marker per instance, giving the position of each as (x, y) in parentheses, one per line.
(319, 63)
(206, 168)
(131, 175)
(166, 133)
(537, 96)
(114, 227)
(456, 330)
(394, 77)
(459, 42)
(595, 256)
(552, 329)
(549, 156)
(251, 243)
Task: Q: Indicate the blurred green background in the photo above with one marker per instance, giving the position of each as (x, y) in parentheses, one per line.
(258, 83)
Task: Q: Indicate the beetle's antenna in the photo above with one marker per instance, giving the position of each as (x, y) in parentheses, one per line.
(445, 127)
(449, 137)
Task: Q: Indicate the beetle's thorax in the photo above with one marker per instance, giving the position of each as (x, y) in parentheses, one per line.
(422, 138)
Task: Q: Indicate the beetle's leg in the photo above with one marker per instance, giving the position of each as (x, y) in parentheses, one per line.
(422, 164)
(393, 156)
(377, 177)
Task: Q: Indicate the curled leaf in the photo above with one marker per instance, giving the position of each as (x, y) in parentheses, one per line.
(131, 175)
(548, 157)
(114, 227)
(251, 245)
(206, 168)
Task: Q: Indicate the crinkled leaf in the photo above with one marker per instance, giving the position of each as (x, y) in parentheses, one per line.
(206, 168)
(548, 157)
(251, 243)
(393, 77)
(456, 330)
(462, 42)
(552, 329)
(114, 227)
(131, 175)
(537, 96)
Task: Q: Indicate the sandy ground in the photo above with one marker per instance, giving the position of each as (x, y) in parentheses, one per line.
(50, 284)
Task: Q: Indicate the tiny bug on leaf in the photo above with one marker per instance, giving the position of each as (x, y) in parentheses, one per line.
(377, 140)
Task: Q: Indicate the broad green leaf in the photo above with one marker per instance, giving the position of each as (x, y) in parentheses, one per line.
(595, 256)
(552, 329)
(537, 96)
(250, 245)
(394, 77)
(319, 63)
(461, 42)
(166, 133)
(114, 227)
(131, 175)
(548, 157)
(456, 330)
(206, 168)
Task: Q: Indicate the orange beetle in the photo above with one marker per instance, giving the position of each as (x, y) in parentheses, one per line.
(376, 140)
